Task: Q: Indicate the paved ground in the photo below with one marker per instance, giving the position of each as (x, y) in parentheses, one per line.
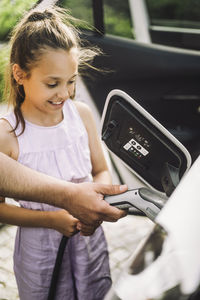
(8, 289)
(123, 237)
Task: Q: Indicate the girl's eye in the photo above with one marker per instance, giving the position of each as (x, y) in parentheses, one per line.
(51, 86)
(71, 81)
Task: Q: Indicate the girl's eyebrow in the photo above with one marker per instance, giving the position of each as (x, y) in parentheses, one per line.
(74, 75)
(58, 78)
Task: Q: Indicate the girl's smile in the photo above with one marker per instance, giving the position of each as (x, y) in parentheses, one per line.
(57, 104)
(50, 83)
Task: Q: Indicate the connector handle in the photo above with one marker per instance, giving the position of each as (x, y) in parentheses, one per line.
(134, 198)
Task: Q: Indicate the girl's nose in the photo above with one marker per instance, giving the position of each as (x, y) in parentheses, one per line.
(63, 93)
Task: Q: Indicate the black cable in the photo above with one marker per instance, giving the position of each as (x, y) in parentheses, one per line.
(57, 266)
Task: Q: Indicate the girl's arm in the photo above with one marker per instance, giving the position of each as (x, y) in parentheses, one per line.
(100, 171)
(59, 220)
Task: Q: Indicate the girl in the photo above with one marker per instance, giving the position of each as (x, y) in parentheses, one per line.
(50, 133)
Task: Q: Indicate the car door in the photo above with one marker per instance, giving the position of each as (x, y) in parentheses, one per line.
(164, 79)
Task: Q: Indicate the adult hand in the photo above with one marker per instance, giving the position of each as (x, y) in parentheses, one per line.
(86, 202)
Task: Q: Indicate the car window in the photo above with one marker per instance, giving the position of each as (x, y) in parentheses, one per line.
(175, 23)
(117, 20)
(174, 13)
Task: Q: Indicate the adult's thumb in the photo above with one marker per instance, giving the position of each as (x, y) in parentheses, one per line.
(113, 189)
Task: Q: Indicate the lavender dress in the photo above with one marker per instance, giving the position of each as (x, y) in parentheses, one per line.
(61, 151)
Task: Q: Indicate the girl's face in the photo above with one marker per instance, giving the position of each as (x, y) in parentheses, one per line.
(50, 84)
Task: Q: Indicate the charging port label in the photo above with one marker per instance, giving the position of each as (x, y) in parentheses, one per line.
(136, 148)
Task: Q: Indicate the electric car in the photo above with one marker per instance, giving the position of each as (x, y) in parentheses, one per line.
(166, 263)
(151, 52)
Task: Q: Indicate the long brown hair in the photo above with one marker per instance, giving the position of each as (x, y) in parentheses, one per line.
(38, 30)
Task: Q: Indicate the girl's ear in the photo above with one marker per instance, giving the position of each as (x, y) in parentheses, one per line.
(18, 74)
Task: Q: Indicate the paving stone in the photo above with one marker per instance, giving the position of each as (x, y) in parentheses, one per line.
(5, 252)
(123, 238)
(4, 237)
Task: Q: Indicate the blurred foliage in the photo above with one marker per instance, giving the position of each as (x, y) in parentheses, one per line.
(117, 18)
(80, 9)
(10, 13)
(4, 56)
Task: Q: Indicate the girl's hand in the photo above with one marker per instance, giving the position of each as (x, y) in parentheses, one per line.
(63, 222)
(87, 229)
